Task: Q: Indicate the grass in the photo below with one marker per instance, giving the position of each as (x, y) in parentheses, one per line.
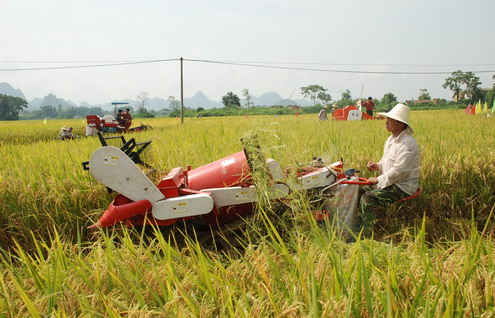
(309, 274)
(432, 257)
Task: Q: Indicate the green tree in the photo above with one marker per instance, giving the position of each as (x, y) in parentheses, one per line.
(174, 105)
(345, 98)
(70, 112)
(346, 95)
(48, 111)
(388, 100)
(423, 94)
(472, 83)
(10, 107)
(143, 113)
(312, 92)
(458, 79)
(247, 96)
(490, 96)
(324, 97)
(231, 100)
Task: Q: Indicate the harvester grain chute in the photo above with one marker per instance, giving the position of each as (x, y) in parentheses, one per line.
(220, 192)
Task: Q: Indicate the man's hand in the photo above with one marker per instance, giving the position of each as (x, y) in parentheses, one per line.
(373, 166)
(373, 180)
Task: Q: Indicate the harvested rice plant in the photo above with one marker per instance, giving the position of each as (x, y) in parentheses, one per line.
(432, 256)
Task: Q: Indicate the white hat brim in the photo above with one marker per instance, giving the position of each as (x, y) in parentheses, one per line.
(391, 116)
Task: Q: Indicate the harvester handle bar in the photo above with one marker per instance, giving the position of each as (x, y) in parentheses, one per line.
(103, 140)
(128, 149)
(128, 146)
(143, 145)
(362, 181)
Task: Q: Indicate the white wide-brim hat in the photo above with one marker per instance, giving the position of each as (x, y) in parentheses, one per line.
(400, 113)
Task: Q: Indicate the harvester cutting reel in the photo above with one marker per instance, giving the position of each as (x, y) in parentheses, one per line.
(220, 192)
(130, 148)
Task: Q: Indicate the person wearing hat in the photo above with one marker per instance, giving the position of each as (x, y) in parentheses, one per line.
(398, 168)
(370, 106)
(323, 114)
(66, 133)
(334, 107)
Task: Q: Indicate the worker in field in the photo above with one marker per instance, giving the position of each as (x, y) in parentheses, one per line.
(369, 105)
(398, 169)
(127, 119)
(120, 118)
(334, 108)
(323, 114)
(66, 133)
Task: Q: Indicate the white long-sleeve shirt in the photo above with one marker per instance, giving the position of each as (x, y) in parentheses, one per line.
(322, 115)
(400, 163)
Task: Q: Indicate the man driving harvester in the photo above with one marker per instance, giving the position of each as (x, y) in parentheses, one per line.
(398, 168)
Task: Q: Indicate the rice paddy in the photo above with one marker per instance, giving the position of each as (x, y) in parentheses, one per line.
(430, 257)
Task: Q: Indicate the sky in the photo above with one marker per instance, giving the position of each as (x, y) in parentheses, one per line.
(351, 37)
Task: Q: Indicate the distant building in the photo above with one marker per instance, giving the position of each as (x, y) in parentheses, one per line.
(276, 106)
(434, 101)
(294, 107)
(463, 95)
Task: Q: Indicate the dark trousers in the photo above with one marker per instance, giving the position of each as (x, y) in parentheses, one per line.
(373, 200)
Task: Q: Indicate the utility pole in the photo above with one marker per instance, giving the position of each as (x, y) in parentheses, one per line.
(181, 92)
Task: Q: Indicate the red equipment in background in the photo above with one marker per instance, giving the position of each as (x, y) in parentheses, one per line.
(350, 113)
(107, 124)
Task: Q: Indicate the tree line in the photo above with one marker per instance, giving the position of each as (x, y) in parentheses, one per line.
(464, 85)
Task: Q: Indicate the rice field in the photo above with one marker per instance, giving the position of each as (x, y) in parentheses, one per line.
(430, 257)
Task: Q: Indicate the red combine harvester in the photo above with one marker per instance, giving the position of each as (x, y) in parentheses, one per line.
(350, 113)
(109, 124)
(219, 192)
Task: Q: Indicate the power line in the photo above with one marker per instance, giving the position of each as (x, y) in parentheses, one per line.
(363, 64)
(251, 62)
(247, 64)
(68, 62)
(331, 70)
(85, 66)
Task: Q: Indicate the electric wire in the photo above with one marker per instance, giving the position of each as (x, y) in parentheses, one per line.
(363, 64)
(253, 64)
(332, 70)
(86, 66)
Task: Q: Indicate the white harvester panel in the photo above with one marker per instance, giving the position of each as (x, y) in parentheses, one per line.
(178, 207)
(112, 167)
(275, 169)
(354, 114)
(315, 179)
(240, 195)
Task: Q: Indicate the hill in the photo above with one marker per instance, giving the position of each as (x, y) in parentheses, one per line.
(156, 103)
(7, 89)
(50, 100)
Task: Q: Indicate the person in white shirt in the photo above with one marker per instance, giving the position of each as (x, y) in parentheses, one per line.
(66, 133)
(323, 114)
(398, 168)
